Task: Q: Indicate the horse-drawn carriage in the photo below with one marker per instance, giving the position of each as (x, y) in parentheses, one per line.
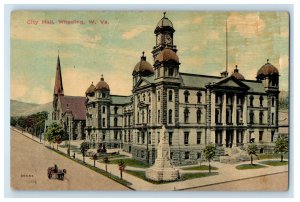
(54, 172)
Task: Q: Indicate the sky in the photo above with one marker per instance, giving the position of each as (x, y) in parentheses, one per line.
(114, 45)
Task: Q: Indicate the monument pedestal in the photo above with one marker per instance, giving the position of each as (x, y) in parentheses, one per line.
(162, 170)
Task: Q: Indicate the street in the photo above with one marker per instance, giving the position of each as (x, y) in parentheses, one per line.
(29, 163)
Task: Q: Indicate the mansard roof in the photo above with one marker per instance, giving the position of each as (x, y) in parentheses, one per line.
(75, 105)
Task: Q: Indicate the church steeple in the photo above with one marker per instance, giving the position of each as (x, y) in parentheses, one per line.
(58, 86)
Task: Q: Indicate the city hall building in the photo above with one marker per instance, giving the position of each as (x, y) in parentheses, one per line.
(227, 110)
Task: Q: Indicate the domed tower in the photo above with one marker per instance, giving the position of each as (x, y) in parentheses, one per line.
(236, 74)
(164, 32)
(102, 89)
(166, 65)
(142, 68)
(90, 91)
(269, 75)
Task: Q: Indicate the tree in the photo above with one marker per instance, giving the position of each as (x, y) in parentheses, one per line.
(13, 121)
(122, 166)
(209, 153)
(106, 161)
(95, 157)
(281, 146)
(83, 148)
(54, 133)
(252, 148)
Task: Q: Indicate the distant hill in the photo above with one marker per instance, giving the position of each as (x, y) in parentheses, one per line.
(18, 108)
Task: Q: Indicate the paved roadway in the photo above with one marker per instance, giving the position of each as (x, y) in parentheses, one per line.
(29, 163)
(274, 182)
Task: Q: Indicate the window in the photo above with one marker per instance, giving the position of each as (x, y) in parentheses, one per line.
(199, 94)
(103, 137)
(217, 116)
(143, 116)
(143, 137)
(149, 115)
(261, 99)
(138, 137)
(149, 138)
(94, 105)
(272, 118)
(198, 137)
(171, 155)
(103, 95)
(158, 116)
(273, 101)
(171, 71)
(186, 155)
(142, 154)
(251, 101)
(144, 97)
(186, 96)
(116, 110)
(158, 137)
(158, 96)
(103, 110)
(261, 116)
(251, 114)
(272, 135)
(116, 135)
(158, 72)
(199, 155)
(138, 117)
(149, 96)
(170, 138)
(115, 121)
(261, 136)
(103, 122)
(186, 137)
(186, 115)
(199, 116)
(170, 95)
(170, 115)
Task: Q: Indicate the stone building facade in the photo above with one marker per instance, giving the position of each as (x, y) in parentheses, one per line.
(227, 110)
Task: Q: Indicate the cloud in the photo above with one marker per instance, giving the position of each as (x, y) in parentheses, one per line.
(61, 34)
(247, 25)
(134, 32)
(21, 89)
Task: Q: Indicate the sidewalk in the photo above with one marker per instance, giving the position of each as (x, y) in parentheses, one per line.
(227, 173)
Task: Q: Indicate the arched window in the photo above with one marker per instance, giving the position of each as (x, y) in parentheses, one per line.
(199, 116)
(143, 116)
(171, 71)
(251, 100)
(158, 96)
(115, 121)
(103, 110)
(261, 99)
(186, 115)
(144, 97)
(261, 116)
(103, 122)
(170, 115)
(199, 94)
(186, 96)
(273, 101)
(158, 116)
(170, 95)
(251, 114)
(149, 96)
(149, 115)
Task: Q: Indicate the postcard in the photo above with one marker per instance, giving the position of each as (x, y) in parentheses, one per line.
(149, 100)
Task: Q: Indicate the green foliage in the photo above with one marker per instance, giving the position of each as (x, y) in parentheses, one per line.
(209, 152)
(202, 167)
(36, 121)
(106, 160)
(84, 146)
(251, 149)
(249, 166)
(54, 133)
(132, 163)
(281, 146)
(275, 163)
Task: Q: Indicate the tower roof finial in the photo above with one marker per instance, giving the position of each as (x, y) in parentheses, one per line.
(102, 79)
(268, 60)
(164, 14)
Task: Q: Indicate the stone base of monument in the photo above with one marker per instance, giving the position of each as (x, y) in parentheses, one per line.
(162, 174)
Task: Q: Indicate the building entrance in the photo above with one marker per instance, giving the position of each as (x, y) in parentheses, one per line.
(229, 138)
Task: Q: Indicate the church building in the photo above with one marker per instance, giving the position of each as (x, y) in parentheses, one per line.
(196, 109)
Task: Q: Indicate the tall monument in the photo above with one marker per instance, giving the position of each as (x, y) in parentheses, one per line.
(162, 170)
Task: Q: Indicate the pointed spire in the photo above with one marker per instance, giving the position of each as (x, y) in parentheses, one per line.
(102, 79)
(165, 14)
(58, 86)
